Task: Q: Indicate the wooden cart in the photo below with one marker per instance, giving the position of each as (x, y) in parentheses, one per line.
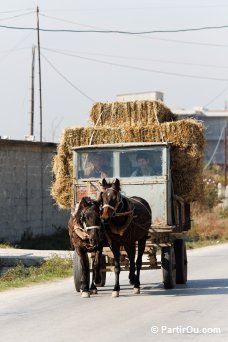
(170, 214)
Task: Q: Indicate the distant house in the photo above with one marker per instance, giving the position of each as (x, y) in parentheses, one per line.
(141, 96)
(215, 122)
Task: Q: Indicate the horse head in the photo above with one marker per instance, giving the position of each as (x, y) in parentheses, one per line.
(88, 217)
(110, 198)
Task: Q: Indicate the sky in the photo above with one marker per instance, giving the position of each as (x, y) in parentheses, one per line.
(80, 68)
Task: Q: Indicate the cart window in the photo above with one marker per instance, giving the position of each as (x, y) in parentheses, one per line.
(95, 164)
(141, 163)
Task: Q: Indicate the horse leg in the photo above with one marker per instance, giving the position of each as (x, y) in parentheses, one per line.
(141, 248)
(130, 249)
(97, 268)
(116, 254)
(93, 289)
(85, 274)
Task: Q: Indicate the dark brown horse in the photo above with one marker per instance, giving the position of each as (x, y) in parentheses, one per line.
(127, 220)
(86, 235)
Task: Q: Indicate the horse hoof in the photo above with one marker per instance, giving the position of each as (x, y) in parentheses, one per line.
(115, 294)
(85, 294)
(136, 290)
(93, 291)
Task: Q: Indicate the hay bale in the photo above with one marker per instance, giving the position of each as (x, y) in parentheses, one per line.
(132, 113)
(186, 136)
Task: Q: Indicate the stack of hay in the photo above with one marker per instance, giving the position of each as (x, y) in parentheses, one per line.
(145, 121)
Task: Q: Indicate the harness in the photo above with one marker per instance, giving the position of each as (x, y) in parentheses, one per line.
(119, 201)
(130, 213)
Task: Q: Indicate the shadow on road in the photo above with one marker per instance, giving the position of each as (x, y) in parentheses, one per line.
(192, 288)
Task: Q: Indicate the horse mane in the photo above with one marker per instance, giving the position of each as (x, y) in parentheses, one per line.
(85, 203)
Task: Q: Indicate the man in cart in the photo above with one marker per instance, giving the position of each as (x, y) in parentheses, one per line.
(98, 166)
(144, 168)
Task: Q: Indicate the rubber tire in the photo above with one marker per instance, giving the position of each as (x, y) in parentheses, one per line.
(168, 267)
(77, 270)
(103, 274)
(181, 261)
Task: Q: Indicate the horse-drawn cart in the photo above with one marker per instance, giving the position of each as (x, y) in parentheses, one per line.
(170, 213)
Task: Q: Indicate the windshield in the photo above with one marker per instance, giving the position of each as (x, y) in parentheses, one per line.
(142, 163)
(95, 164)
(119, 163)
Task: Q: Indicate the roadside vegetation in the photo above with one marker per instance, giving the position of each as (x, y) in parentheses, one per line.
(51, 269)
(209, 217)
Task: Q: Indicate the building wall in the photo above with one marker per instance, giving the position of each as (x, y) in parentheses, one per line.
(215, 131)
(25, 180)
(150, 95)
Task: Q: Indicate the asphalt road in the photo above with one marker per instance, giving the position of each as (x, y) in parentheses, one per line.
(54, 312)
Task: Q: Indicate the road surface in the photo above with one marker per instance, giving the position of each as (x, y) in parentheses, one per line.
(54, 312)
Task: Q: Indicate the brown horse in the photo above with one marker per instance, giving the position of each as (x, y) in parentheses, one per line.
(127, 220)
(86, 235)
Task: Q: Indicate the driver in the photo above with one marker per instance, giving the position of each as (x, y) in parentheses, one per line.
(98, 166)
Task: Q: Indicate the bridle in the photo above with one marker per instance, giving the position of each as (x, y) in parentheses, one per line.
(83, 230)
(119, 201)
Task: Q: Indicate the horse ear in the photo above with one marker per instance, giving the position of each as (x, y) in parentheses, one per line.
(104, 183)
(85, 202)
(116, 183)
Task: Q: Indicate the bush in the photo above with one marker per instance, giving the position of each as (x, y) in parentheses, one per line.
(210, 193)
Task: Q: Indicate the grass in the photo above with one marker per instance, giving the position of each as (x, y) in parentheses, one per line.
(209, 227)
(6, 245)
(20, 276)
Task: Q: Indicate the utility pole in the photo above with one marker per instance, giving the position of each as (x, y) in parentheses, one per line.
(32, 94)
(40, 88)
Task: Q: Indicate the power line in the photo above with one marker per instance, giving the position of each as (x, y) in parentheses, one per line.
(217, 96)
(138, 58)
(143, 69)
(216, 148)
(18, 10)
(132, 8)
(145, 37)
(17, 16)
(117, 31)
(71, 22)
(67, 80)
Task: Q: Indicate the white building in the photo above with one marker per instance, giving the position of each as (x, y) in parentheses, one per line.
(215, 122)
(141, 96)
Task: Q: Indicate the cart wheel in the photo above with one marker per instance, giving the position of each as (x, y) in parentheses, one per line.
(103, 273)
(77, 270)
(168, 267)
(181, 261)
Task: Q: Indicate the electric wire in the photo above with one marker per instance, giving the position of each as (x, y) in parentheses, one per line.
(17, 16)
(67, 80)
(202, 28)
(71, 22)
(216, 97)
(145, 37)
(216, 148)
(138, 58)
(142, 69)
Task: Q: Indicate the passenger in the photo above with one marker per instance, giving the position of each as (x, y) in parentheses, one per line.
(144, 168)
(99, 166)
